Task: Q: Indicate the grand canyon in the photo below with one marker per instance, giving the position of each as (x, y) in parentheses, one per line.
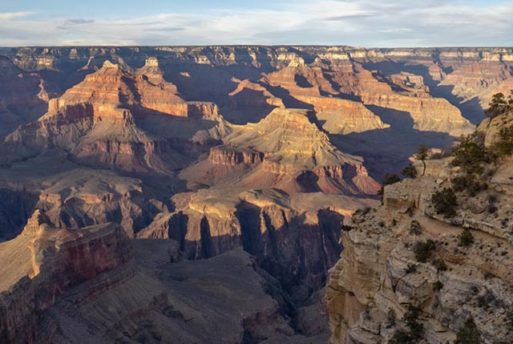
(242, 194)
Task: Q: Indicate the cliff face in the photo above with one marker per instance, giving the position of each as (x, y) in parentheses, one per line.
(23, 96)
(295, 239)
(157, 94)
(240, 164)
(94, 285)
(408, 270)
(47, 262)
(96, 121)
(285, 150)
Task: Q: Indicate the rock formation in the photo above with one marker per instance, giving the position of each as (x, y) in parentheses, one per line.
(97, 121)
(196, 194)
(22, 96)
(285, 150)
(94, 285)
(409, 271)
(42, 262)
(156, 93)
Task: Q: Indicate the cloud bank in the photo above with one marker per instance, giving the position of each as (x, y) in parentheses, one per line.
(395, 23)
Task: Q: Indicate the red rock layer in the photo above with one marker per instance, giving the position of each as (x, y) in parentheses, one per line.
(59, 260)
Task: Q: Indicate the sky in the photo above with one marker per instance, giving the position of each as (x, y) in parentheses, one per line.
(362, 23)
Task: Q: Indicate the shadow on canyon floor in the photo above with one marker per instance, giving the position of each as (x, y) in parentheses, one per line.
(470, 109)
(387, 150)
(16, 207)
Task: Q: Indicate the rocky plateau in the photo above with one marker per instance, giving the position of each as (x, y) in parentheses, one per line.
(206, 194)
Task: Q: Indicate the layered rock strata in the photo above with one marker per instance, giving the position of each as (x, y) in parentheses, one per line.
(386, 275)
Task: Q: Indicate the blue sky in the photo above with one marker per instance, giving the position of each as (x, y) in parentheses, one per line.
(371, 23)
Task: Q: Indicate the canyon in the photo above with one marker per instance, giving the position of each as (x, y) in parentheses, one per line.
(204, 194)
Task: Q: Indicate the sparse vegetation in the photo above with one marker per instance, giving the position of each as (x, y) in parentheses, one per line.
(504, 145)
(402, 337)
(415, 228)
(412, 268)
(466, 238)
(422, 155)
(468, 334)
(424, 250)
(499, 105)
(391, 318)
(445, 202)
(415, 329)
(410, 171)
(437, 286)
(469, 183)
(440, 265)
(471, 153)
(389, 179)
(411, 319)
(509, 320)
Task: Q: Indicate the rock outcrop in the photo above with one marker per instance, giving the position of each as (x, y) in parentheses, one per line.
(22, 96)
(294, 238)
(285, 150)
(43, 262)
(94, 285)
(156, 93)
(110, 119)
(408, 271)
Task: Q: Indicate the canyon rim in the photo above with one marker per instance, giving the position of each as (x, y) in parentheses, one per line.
(160, 182)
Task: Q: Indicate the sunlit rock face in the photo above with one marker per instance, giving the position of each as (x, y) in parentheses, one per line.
(382, 272)
(197, 194)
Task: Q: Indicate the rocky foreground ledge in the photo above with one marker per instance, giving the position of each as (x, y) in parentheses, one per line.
(413, 271)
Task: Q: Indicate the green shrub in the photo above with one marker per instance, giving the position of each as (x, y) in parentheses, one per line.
(437, 286)
(410, 171)
(440, 265)
(445, 202)
(470, 154)
(509, 320)
(411, 268)
(499, 105)
(391, 318)
(468, 334)
(504, 146)
(466, 238)
(469, 183)
(411, 319)
(415, 228)
(424, 250)
(415, 328)
(401, 337)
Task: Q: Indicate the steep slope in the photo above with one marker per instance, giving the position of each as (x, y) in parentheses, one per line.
(308, 88)
(427, 113)
(250, 102)
(480, 80)
(23, 96)
(156, 93)
(114, 118)
(94, 285)
(294, 238)
(285, 150)
(431, 264)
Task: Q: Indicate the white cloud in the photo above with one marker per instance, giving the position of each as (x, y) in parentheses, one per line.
(352, 22)
(13, 15)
